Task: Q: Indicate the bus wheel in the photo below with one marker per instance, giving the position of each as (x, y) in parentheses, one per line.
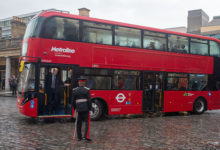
(97, 108)
(199, 106)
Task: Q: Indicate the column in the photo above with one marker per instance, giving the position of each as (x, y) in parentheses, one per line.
(7, 73)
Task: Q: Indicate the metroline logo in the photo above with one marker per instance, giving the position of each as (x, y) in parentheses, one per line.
(63, 50)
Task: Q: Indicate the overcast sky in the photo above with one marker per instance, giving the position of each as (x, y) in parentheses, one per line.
(152, 13)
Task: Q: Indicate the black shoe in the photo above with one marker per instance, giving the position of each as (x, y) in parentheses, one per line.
(79, 139)
(87, 139)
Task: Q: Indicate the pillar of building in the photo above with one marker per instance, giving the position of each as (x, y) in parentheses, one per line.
(7, 73)
(0, 33)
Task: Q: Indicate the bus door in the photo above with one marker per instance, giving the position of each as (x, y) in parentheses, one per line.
(152, 91)
(62, 100)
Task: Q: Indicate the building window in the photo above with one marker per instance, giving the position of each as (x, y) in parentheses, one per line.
(127, 37)
(155, 41)
(97, 33)
(199, 47)
(178, 44)
(214, 49)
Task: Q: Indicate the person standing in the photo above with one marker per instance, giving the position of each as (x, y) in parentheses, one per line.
(14, 83)
(10, 83)
(52, 83)
(3, 84)
(82, 104)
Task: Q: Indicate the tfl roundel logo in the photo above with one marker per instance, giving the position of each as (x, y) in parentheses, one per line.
(120, 97)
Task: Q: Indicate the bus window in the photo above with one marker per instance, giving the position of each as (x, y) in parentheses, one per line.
(127, 37)
(214, 49)
(98, 82)
(27, 79)
(61, 29)
(97, 33)
(197, 82)
(198, 46)
(126, 80)
(63, 75)
(71, 30)
(42, 79)
(177, 81)
(178, 44)
(155, 41)
(33, 27)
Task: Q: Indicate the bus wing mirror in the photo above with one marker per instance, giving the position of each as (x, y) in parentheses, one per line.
(21, 66)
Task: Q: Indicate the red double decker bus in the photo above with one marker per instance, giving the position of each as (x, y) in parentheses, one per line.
(130, 69)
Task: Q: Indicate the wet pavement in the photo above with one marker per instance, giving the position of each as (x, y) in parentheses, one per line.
(181, 132)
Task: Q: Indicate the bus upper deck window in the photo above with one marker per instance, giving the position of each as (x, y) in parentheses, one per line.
(61, 29)
(214, 49)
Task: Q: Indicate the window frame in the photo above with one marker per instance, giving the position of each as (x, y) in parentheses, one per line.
(82, 28)
(210, 48)
(41, 33)
(199, 43)
(81, 72)
(165, 37)
(141, 39)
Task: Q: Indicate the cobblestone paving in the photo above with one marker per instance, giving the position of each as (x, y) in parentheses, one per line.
(194, 132)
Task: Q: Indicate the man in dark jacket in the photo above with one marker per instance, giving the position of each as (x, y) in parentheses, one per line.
(82, 104)
(14, 85)
(53, 83)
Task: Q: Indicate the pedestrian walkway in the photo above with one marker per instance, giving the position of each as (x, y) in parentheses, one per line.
(6, 94)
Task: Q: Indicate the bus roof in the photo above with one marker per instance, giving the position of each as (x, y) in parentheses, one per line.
(53, 13)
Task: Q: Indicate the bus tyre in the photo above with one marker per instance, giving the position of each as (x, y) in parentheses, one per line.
(199, 106)
(97, 109)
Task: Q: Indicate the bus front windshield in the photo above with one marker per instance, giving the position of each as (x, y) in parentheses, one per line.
(27, 79)
(33, 28)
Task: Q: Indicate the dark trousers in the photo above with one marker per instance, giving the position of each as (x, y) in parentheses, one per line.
(14, 90)
(83, 117)
(52, 101)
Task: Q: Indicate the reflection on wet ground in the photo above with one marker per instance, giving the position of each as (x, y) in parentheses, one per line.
(166, 132)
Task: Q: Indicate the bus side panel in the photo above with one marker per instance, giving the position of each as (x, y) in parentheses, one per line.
(121, 102)
(215, 100)
(104, 56)
(125, 58)
(29, 108)
(65, 52)
(175, 101)
(33, 47)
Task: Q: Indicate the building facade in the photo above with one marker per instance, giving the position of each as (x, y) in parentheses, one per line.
(10, 49)
(198, 23)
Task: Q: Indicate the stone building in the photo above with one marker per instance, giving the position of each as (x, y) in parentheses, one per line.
(213, 28)
(198, 23)
(10, 49)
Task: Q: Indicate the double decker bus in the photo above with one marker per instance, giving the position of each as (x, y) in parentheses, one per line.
(130, 69)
